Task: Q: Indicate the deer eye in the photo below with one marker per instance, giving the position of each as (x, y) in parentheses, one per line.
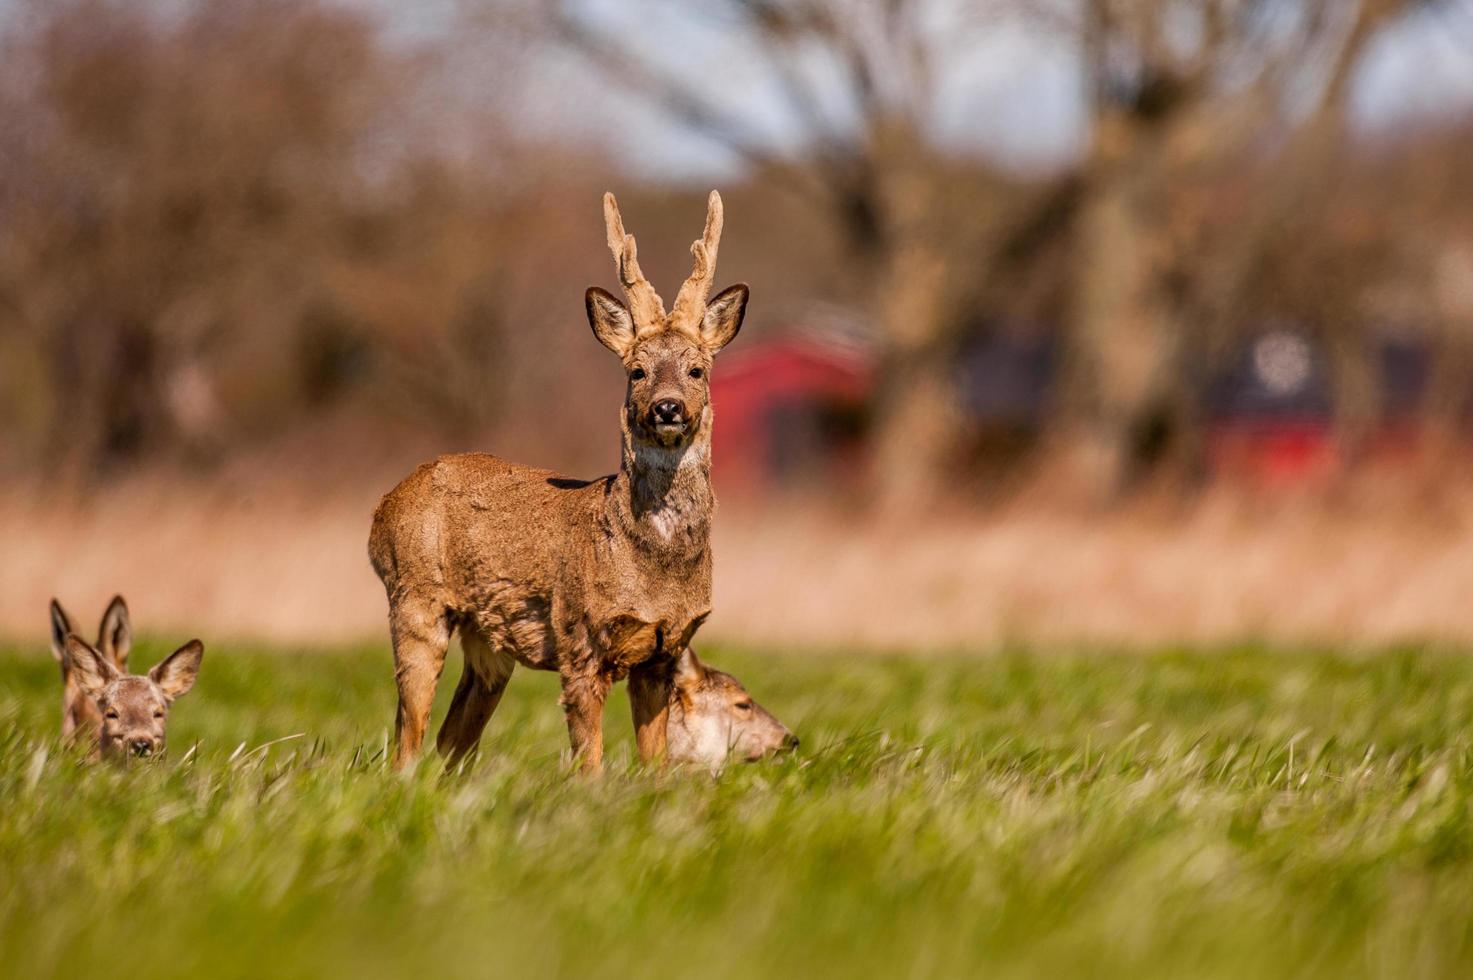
(743, 706)
(112, 715)
(696, 372)
(158, 713)
(637, 374)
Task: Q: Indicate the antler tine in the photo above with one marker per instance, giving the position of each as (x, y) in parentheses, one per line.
(645, 304)
(690, 303)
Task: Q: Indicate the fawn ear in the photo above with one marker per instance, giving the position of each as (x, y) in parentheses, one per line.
(689, 672)
(115, 635)
(610, 320)
(61, 625)
(176, 673)
(93, 671)
(723, 317)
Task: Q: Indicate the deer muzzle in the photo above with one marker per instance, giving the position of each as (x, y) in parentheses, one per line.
(668, 411)
(668, 419)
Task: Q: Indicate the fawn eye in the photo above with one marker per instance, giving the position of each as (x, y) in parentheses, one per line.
(158, 714)
(637, 374)
(743, 706)
(696, 372)
(112, 715)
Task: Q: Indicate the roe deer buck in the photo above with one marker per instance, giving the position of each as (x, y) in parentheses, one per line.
(596, 579)
(80, 718)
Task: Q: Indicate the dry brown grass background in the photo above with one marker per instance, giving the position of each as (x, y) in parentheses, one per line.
(248, 558)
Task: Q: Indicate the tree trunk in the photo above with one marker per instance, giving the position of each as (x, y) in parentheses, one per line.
(915, 426)
(1122, 342)
(1447, 397)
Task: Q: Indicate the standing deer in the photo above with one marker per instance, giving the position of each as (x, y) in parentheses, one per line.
(598, 580)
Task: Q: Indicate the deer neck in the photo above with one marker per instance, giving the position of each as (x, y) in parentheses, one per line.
(663, 497)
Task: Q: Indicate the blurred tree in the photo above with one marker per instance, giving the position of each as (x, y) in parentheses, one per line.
(1180, 94)
(861, 78)
(173, 192)
(218, 218)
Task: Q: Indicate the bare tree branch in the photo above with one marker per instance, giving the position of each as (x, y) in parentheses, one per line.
(671, 94)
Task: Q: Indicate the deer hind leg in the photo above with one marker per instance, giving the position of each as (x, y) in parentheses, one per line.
(487, 671)
(649, 699)
(421, 635)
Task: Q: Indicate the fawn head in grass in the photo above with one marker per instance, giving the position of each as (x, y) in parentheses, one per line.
(713, 720)
(126, 713)
(134, 707)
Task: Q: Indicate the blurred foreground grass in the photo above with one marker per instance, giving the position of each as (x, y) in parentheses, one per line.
(1243, 813)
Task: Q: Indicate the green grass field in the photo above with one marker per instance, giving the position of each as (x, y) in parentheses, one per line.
(1231, 814)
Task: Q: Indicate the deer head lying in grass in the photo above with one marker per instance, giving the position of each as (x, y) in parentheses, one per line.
(133, 708)
(713, 720)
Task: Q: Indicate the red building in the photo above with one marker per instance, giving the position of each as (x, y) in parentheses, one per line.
(794, 409)
(1272, 414)
(790, 410)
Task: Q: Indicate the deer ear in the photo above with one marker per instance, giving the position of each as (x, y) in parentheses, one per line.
(115, 635)
(723, 317)
(61, 625)
(610, 320)
(689, 672)
(93, 671)
(176, 673)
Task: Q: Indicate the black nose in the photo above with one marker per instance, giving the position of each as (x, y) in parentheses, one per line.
(141, 746)
(791, 742)
(668, 410)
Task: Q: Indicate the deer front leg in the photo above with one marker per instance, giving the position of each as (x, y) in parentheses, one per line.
(583, 701)
(650, 685)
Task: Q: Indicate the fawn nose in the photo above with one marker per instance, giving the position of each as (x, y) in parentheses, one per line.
(141, 746)
(790, 742)
(666, 411)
